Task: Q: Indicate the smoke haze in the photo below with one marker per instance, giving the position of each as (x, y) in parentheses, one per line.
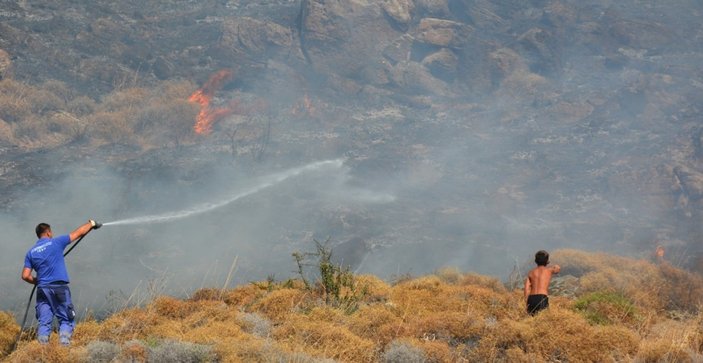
(572, 145)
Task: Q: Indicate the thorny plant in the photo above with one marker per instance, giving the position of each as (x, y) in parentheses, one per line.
(336, 282)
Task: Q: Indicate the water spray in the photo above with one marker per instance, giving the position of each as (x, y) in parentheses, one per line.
(265, 182)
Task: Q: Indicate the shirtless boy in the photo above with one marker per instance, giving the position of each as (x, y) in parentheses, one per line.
(537, 283)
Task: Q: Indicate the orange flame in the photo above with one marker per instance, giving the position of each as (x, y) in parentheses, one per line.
(208, 115)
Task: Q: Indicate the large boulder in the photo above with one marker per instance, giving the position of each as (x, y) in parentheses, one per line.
(415, 78)
(253, 36)
(443, 33)
(345, 37)
(401, 11)
(442, 64)
(434, 8)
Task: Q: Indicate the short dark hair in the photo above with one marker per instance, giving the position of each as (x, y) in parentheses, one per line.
(42, 228)
(542, 258)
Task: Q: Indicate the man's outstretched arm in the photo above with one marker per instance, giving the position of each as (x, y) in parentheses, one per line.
(83, 230)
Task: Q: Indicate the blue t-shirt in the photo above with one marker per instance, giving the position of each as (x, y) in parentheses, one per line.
(46, 258)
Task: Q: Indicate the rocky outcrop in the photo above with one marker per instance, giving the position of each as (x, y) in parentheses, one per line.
(401, 11)
(254, 37)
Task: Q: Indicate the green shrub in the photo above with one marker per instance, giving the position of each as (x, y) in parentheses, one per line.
(603, 308)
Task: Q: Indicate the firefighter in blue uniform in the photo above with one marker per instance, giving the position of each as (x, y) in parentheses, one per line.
(53, 294)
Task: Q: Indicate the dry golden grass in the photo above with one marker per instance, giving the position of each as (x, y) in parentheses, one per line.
(8, 333)
(50, 114)
(446, 317)
(649, 286)
(324, 339)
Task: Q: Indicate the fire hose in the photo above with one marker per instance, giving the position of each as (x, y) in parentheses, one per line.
(34, 289)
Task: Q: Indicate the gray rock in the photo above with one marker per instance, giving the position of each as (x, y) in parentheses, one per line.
(413, 77)
(442, 64)
(443, 33)
(255, 36)
(401, 11)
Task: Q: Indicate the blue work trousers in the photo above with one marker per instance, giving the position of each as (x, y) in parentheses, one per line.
(55, 300)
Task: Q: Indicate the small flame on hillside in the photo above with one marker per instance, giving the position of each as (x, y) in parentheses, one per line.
(209, 115)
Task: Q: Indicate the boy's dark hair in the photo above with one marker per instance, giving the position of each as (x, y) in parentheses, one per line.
(41, 228)
(542, 258)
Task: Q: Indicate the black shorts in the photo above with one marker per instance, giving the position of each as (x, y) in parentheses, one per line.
(535, 303)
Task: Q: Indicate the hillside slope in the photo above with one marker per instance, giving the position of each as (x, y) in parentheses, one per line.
(604, 308)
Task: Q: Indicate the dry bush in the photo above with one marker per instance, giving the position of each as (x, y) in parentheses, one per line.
(684, 289)
(207, 294)
(649, 286)
(673, 341)
(102, 352)
(43, 101)
(14, 103)
(256, 324)
(8, 332)
(483, 281)
(81, 106)
(172, 308)
(376, 289)
(325, 339)
(114, 127)
(6, 133)
(376, 322)
(59, 89)
(435, 350)
(401, 351)
(243, 296)
(86, 331)
(277, 304)
(33, 352)
(556, 334)
(173, 351)
(449, 275)
(134, 351)
(128, 324)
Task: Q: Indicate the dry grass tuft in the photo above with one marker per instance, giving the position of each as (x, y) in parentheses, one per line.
(556, 334)
(277, 304)
(324, 339)
(8, 333)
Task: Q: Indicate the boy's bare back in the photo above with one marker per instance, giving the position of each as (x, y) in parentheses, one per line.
(538, 280)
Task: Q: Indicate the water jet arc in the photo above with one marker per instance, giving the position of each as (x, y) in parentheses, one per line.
(265, 182)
